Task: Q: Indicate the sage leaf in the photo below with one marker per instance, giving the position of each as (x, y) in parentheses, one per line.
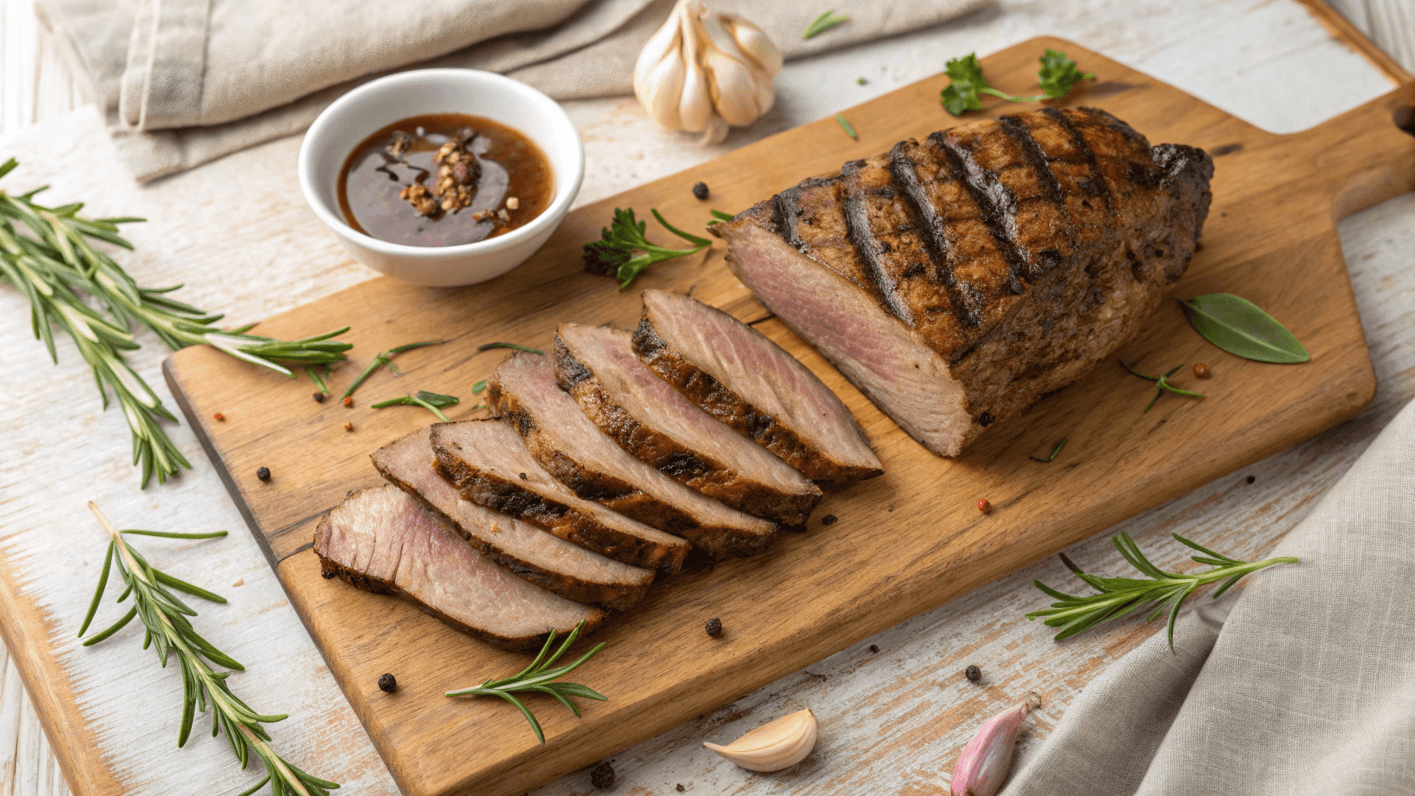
(1240, 327)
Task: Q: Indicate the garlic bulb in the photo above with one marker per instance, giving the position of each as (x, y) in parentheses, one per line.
(983, 764)
(775, 745)
(704, 72)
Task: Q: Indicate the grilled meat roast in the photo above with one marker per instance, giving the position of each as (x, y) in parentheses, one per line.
(382, 540)
(489, 463)
(736, 374)
(958, 279)
(548, 561)
(650, 420)
(576, 452)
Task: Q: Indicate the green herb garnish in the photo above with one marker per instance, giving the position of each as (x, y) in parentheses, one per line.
(844, 125)
(427, 400)
(1056, 77)
(385, 358)
(1162, 384)
(1054, 452)
(540, 677)
(165, 617)
(614, 254)
(718, 217)
(47, 254)
(1164, 591)
(479, 387)
(1240, 327)
(513, 346)
(318, 379)
(823, 23)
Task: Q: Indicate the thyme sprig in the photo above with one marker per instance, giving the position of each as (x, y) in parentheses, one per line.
(427, 400)
(1163, 591)
(539, 677)
(1162, 384)
(165, 618)
(48, 254)
(615, 253)
(385, 358)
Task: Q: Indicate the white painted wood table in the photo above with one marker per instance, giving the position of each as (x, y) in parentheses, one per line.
(1267, 61)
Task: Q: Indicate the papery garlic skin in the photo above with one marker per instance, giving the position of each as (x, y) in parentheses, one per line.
(774, 746)
(704, 72)
(984, 762)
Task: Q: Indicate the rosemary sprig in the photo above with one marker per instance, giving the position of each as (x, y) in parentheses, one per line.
(1162, 384)
(164, 616)
(823, 23)
(1054, 452)
(512, 346)
(318, 379)
(1164, 591)
(47, 254)
(718, 217)
(427, 400)
(540, 677)
(385, 358)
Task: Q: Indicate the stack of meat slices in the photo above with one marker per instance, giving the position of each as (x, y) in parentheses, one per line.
(603, 467)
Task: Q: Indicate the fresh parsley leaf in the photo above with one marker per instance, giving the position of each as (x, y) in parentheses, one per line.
(967, 76)
(615, 253)
(1059, 73)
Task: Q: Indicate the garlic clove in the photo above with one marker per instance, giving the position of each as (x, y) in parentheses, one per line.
(661, 45)
(734, 93)
(695, 104)
(775, 745)
(715, 132)
(664, 91)
(755, 44)
(983, 764)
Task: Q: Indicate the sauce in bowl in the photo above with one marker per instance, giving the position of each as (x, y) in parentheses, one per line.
(444, 180)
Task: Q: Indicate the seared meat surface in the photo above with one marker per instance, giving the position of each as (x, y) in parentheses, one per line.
(384, 541)
(958, 279)
(736, 374)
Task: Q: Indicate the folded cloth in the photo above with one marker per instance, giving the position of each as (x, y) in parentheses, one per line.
(1305, 683)
(186, 81)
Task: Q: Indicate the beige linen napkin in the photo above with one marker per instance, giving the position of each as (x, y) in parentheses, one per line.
(1305, 683)
(187, 81)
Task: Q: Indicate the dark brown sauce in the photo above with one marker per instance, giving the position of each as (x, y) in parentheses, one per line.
(511, 167)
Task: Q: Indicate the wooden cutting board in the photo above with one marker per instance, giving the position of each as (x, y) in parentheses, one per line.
(904, 543)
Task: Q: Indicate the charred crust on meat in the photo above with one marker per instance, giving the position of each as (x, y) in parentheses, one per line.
(995, 202)
(1095, 184)
(936, 243)
(568, 370)
(857, 232)
(786, 211)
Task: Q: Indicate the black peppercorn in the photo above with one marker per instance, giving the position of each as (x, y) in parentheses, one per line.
(829, 519)
(388, 683)
(319, 397)
(874, 649)
(986, 419)
(679, 787)
(713, 627)
(263, 473)
(523, 476)
(700, 190)
(602, 776)
(973, 673)
(1251, 479)
(329, 574)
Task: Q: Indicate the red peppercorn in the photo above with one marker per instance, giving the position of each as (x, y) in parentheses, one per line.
(1201, 370)
(219, 417)
(348, 426)
(349, 401)
(984, 506)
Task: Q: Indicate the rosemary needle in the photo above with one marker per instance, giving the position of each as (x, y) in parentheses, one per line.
(427, 400)
(844, 125)
(165, 618)
(385, 358)
(823, 23)
(1161, 384)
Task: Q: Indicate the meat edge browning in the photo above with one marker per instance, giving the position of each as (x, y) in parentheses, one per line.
(615, 599)
(715, 398)
(510, 498)
(619, 495)
(714, 479)
(363, 582)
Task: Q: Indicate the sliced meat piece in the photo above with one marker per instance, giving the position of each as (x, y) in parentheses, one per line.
(541, 558)
(489, 463)
(574, 450)
(650, 420)
(736, 374)
(384, 541)
(958, 279)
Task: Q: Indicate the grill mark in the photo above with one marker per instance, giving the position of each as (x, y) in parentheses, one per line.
(905, 173)
(996, 215)
(858, 234)
(788, 210)
(1097, 180)
(1037, 159)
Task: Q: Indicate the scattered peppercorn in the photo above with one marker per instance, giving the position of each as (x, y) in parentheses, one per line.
(700, 190)
(349, 400)
(319, 397)
(329, 574)
(219, 417)
(1250, 479)
(713, 627)
(973, 673)
(348, 426)
(523, 476)
(602, 776)
(874, 649)
(680, 788)
(388, 683)
(984, 506)
(263, 473)
(1201, 370)
(829, 519)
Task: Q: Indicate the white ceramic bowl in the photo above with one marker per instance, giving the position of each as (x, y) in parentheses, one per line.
(356, 115)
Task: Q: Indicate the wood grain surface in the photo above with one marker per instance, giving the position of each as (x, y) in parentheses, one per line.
(1271, 237)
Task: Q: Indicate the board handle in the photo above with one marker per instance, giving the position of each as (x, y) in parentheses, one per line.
(1364, 156)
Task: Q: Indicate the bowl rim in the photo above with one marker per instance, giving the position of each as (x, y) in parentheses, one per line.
(566, 188)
